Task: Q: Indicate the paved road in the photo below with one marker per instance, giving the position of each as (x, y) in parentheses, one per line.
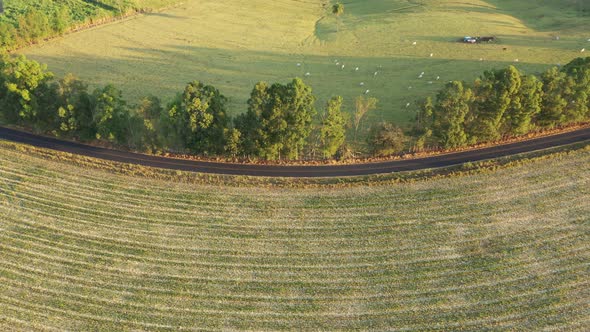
(298, 171)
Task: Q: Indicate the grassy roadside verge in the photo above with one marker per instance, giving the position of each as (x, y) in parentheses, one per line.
(482, 167)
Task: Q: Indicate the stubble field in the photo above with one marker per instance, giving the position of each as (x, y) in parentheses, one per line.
(84, 249)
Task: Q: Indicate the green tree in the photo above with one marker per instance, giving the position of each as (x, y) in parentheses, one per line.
(386, 139)
(333, 128)
(495, 93)
(338, 9)
(450, 110)
(299, 113)
(577, 89)
(199, 117)
(554, 104)
(577, 66)
(278, 120)
(576, 98)
(530, 98)
(71, 106)
(264, 124)
(252, 135)
(362, 107)
(145, 130)
(110, 114)
(61, 20)
(232, 142)
(21, 82)
(424, 123)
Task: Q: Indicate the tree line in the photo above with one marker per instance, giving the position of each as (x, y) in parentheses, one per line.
(24, 22)
(281, 121)
(278, 123)
(504, 103)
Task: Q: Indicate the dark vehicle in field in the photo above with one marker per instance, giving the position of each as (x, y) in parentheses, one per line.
(474, 40)
(470, 40)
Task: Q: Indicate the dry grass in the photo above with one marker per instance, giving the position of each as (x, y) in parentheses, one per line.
(85, 249)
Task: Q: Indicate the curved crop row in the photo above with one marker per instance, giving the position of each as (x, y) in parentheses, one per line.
(86, 249)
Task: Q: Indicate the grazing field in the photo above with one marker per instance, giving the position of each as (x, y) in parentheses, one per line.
(233, 44)
(83, 249)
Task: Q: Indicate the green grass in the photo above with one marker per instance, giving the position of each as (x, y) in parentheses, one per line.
(84, 249)
(81, 11)
(233, 44)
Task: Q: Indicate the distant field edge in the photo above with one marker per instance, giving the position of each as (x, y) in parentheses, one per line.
(96, 23)
(302, 171)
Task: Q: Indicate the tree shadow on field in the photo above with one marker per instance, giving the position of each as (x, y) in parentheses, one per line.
(100, 5)
(547, 15)
(166, 15)
(539, 15)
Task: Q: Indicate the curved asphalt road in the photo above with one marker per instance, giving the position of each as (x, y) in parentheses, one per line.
(298, 171)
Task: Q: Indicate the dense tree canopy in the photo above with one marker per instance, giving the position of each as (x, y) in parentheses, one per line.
(148, 132)
(278, 120)
(276, 125)
(198, 119)
(520, 118)
(450, 110)
(110, 114)
(23, 83)
(73, 103)
(496, 96)
(505, 103)
(333, 129)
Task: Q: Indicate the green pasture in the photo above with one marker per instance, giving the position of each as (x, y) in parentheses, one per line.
(85, 249)
(233, 44)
